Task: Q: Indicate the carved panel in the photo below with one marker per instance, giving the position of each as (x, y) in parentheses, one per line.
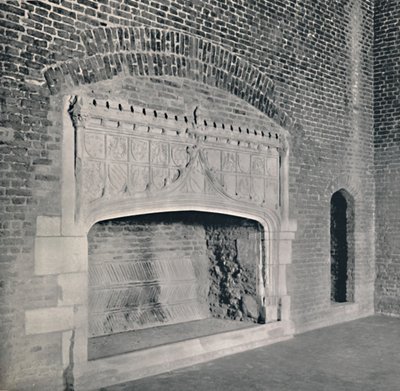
(117, 148)
(257, 165)
(138, 179)
(159, 153)
(257, 192)
(117, 177)
(244, 163)
(272, 166)
(139, 150)
(93, 179)
(228, 161)
(160, 176)
(245, 175)
(94, 145)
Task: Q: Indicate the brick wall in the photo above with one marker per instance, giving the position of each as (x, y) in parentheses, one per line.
(306, 64)
(387, 155)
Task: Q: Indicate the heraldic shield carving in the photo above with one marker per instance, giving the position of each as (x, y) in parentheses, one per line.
(124, 153)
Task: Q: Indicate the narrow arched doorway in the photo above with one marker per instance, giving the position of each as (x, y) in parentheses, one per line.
(342, 247)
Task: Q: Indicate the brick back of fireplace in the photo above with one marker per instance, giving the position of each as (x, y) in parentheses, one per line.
(144, 273)
(160, 269)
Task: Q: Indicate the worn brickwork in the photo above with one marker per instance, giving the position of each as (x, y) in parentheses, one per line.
(306, 64)
(387, 155)
(234, 254)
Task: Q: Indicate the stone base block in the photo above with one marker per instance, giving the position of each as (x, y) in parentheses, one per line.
(130, 366)
(49, 320)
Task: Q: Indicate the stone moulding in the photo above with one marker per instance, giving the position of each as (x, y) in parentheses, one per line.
(122, 160)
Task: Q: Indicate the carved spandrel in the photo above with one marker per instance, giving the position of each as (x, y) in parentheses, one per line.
(229, 184)
(180, 155)
(94, 145)
(209, 187)
(174, 174)
(195, 182)
(213, 159)
(117, 148)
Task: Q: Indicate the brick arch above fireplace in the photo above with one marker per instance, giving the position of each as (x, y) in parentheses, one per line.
(154, 52)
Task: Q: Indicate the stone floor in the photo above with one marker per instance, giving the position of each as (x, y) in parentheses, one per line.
(359, 355)
(111, 345)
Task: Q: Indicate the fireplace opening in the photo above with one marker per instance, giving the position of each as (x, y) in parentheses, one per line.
(167, 277)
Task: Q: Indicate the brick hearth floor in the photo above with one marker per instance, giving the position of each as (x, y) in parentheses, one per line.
(361, 355)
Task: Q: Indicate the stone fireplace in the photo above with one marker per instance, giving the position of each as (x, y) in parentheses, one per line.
(174, 240)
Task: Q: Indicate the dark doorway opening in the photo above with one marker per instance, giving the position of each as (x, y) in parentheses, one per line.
(342, 247)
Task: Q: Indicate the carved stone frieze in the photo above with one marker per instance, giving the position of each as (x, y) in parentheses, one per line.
(137, 155)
